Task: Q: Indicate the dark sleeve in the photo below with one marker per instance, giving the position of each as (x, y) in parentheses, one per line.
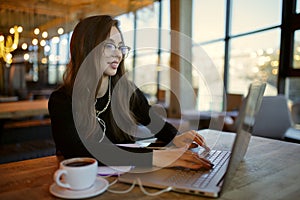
(69, 144)
(149, 118)
(64, 131)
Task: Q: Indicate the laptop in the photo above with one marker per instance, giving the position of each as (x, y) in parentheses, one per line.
(212, 182)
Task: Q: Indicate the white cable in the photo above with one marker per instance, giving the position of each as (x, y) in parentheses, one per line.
(112, 183)
(138, 180)
(121, 192)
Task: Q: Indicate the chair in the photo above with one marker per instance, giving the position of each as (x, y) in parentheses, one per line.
(274, 118)
(296, 112)
(233, 101)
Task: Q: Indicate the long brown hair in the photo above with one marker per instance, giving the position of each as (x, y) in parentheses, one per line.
(87, 35)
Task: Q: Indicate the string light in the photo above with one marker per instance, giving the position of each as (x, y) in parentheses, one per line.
(26, 56)
(24, 46)
(42, 43)
(11, 30)
(60, 31)
(10, 44)
(35, 41)
(47, 48)
(36, 31)
(20, 29)
(45, 34)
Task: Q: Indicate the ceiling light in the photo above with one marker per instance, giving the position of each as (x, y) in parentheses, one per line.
(35, 41)
(9, 45)
(42, 43)
(20, 29)
(36, 31)
(47, 48)
(26, 56)
(60, 31)
(11, 30)
(24, 46)
(45, 34)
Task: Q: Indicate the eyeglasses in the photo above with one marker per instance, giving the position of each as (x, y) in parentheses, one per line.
(109, 49)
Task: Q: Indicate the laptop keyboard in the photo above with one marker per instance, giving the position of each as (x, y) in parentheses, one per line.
(201, 178)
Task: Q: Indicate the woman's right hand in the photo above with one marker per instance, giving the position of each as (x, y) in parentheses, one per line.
(180, 157)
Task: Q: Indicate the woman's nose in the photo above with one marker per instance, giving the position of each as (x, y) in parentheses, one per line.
(117, 53)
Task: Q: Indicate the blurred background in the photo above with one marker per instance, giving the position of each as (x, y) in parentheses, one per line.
(233, 42)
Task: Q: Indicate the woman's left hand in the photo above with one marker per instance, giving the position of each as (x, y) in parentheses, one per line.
(190, 138)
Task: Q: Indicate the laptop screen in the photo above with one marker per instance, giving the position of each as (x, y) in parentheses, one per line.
(247, 118)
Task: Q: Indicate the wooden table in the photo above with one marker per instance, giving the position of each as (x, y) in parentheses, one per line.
(18, 109)
(271, 170)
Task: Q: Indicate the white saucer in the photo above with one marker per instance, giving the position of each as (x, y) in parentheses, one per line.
(99, 187)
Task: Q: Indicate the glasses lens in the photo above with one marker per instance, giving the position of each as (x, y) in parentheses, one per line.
(124, 50)
(109, 48)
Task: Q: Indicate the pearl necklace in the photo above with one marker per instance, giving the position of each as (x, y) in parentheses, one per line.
(98, 112)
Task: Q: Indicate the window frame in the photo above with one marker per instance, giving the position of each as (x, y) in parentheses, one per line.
(290, 24)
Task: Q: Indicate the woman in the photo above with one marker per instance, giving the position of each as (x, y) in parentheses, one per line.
(133, 109)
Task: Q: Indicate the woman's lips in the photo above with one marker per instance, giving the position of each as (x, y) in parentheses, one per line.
(114, 65)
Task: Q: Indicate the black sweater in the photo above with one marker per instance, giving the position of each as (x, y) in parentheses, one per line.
(69, 144)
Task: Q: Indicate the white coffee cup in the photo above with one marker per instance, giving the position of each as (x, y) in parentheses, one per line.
(76, 173)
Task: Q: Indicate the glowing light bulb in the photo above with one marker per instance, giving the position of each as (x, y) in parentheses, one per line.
(36, 31)
(35, 41)
(45, 34)
(20, 29)
(11, 30)
(60, 31)
(24, 46)
(47, 48)
(42, 43)
(26, 56)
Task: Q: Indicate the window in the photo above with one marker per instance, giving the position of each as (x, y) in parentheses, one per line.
(254, 56)
(58, 57)
(147, 48)
(249, 15)
(241, 39)
(127, 28)
(208, 33)
(296, 57)
(289, 58)
(255, 43)
(293, 88)
(210, 23)
(208, 67)
(244, 48)
(150, 56)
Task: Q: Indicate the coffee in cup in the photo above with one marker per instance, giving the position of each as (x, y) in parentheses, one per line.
(76, 173)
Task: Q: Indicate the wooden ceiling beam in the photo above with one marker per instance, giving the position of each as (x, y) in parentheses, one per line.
(48, 15)
(45, 8)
